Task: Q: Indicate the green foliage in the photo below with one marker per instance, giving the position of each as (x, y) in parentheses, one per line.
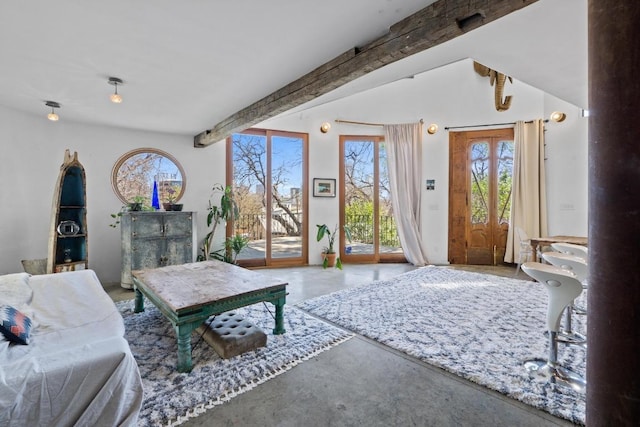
(172, 194)
(226, 209)
(232, 248)
(324, 231)
(116, 216)
(359, 208)
(128, 208)
(359, 217)
(480, 197)
(480, 177)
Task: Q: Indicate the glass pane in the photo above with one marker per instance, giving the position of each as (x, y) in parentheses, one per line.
(286, 197)
(479, 183)
(249, 182)
(138, 172)
(505, 175)
(359, 193)
(389, 240)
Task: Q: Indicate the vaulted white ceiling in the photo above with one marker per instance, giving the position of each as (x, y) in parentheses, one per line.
(189, 64)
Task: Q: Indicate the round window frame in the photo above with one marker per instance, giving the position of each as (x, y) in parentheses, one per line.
(126, 156)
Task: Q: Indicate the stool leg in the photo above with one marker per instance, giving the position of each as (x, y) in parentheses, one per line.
(551, 371)
(568, 335)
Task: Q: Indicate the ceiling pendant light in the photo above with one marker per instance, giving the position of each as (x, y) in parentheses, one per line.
(115, 97)
(52, 115)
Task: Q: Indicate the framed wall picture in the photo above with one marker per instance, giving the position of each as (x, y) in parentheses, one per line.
(324, 187)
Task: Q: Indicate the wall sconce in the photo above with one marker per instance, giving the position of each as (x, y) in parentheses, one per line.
(115, 98)
(557, 116)
(52, 115)
(324, 127)
(433, 128)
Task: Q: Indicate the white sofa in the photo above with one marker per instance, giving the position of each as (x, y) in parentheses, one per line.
(77, 368)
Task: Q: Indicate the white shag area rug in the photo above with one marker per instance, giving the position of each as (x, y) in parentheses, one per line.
(478, 326)
(171, 398)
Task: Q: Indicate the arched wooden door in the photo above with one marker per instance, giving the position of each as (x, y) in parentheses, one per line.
(481, 165)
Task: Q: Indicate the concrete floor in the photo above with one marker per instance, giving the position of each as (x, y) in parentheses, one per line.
(361, 382)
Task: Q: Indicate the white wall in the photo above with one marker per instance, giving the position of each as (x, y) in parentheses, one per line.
(567, 169)
(32, 148)
(453, 95)
(31, 152)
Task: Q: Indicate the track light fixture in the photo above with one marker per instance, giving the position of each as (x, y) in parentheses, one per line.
(52, 115)
(115, 97)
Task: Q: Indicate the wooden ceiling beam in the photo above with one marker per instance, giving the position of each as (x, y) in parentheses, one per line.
(435, 24)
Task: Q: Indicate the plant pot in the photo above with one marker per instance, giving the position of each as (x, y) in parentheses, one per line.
(176, 207)
(331, 259)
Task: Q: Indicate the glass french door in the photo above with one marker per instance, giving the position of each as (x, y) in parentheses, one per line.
(480, 195)
(268, 173)
(365, 202)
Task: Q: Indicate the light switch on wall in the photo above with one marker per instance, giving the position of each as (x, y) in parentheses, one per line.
(431, 184)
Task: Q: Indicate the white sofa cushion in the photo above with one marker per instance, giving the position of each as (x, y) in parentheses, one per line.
(78, 368)
(15, 289)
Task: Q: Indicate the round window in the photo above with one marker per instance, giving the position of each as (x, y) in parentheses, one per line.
(140, 173)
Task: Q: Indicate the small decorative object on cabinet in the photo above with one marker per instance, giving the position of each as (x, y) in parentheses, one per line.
(68, 232)
(156, 239)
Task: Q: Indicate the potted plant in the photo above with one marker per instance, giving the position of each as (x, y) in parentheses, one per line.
(227, 209)
(329, 255)
(171, 204)
(137, 204)
(232, 248)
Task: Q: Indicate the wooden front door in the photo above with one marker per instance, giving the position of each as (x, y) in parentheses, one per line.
(480, 171)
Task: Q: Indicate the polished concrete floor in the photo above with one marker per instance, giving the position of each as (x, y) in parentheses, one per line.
(361, 382)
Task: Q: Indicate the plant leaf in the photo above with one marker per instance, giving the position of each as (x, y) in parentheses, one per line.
(322, 230)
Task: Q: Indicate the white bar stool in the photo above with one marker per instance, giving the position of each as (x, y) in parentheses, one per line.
(562, 288)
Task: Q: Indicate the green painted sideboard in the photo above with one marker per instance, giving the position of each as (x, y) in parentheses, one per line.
(156, 239)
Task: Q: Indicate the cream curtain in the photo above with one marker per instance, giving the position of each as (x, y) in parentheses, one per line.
(403, 144)
(529, 197)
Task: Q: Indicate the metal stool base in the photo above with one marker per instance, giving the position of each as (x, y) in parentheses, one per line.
(570, 338)
(580, 311)
(540, 368)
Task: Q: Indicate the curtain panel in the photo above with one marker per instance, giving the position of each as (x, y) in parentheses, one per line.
(529, 195)
(403, 144)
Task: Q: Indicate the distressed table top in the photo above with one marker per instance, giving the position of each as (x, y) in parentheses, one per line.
(576, 240)
(202, 283)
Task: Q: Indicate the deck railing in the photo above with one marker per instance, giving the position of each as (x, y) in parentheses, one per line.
(361, 227)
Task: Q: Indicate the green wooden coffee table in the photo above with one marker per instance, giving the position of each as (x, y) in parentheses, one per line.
(188, 294)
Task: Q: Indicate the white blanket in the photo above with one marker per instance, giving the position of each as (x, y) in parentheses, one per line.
(78, 368)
